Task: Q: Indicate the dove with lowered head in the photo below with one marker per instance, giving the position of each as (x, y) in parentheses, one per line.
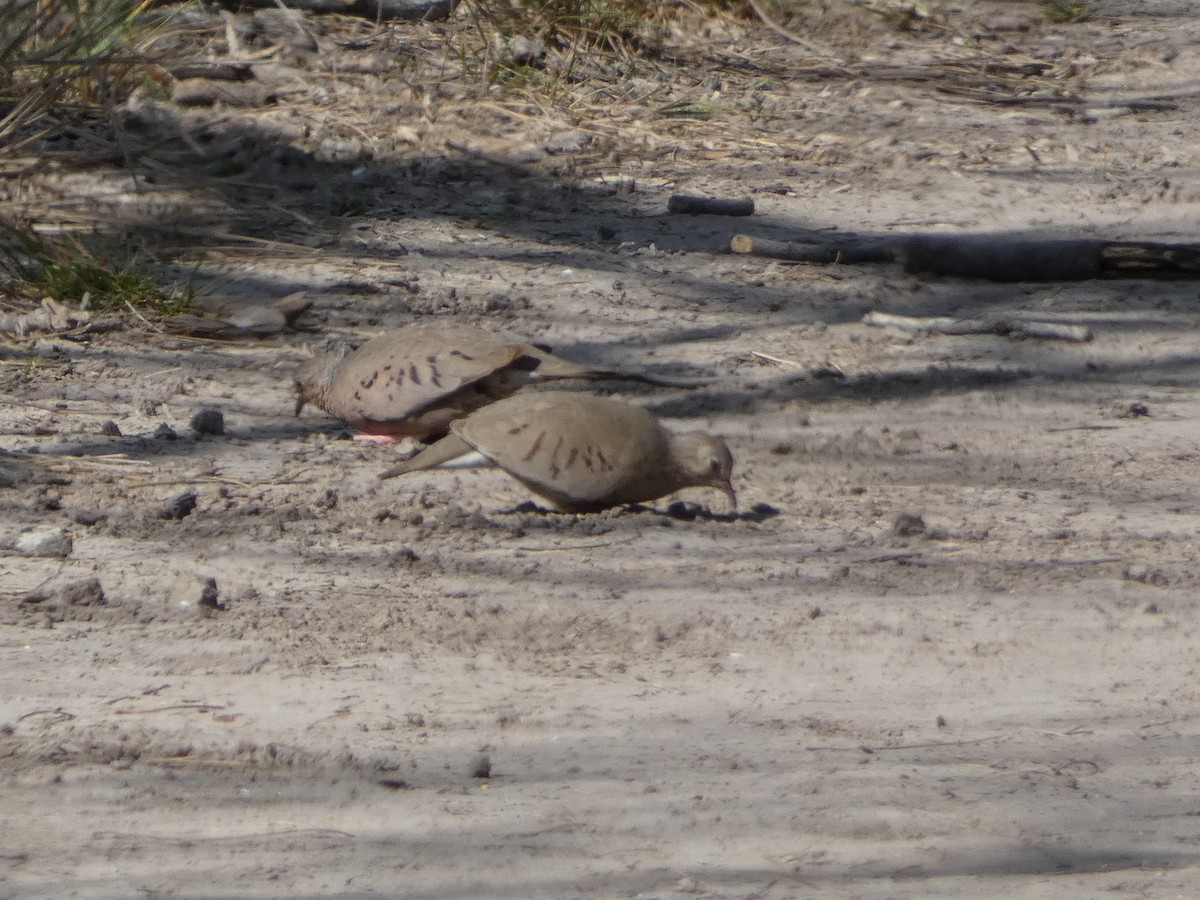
(581, 452)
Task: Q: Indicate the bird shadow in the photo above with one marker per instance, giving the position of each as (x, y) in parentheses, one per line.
(680, 511)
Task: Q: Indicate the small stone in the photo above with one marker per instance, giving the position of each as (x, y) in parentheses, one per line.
(1134, 411)
(165, 432)
(481, 766)
(180, 506)
(110, 429)
(525, 51)
(684, 510)
(53, 542)
(88, 517)
(208, 421)
(210, 597)
(84, 592)
(1146, 575)
(908, 525)
(567, 141)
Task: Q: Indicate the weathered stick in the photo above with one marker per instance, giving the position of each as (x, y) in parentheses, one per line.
(861, 252)
(1131, 259)
(1001, 259)
(994, 257)
(711, 206)
(206, 92)
(967, 256)
(950, 325)
(211, 70)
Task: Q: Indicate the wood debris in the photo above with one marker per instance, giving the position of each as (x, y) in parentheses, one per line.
(1004, 258)
(1004, 326)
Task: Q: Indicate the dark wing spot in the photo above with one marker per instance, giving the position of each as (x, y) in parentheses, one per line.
(461, 355)
(391, 398)
(572, 457)
(555, 471)
(603, 459)
(517, 429)
(434, 375)
(537, 445)
(367, 382)
(414, 374)
(358, 395)
(387, 367)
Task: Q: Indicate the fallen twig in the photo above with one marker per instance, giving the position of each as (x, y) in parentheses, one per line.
(1009, 327)
(778, 360)
(932, 745)
(52, 316)
(200, 707)
(994, 257)
(210, 91)
(825, 254)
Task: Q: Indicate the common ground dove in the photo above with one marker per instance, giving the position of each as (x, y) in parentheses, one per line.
(581, 452)
(415, 381)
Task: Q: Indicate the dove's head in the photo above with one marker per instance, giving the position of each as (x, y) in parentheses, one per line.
(704, 461)
(314, 378)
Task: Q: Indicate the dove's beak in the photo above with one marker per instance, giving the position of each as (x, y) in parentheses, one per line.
(726, 485)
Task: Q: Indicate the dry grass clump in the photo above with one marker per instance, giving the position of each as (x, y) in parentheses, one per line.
(68, 271)
(57, 59)
(1065, 10)
(67, 51)
(618, 25)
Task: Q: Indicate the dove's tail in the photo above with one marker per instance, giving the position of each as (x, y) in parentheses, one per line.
(450, 452)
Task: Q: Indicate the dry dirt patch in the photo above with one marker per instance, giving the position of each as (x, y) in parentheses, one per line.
(949, 651)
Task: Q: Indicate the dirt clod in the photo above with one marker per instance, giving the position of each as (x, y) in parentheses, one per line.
(210, 596)
(908, 525)
(52, 542)
(208, 421)
(181, 505)
(481, 766)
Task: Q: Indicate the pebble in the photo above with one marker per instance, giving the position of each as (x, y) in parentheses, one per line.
(54, 542)
(180, 506)
(208, 421)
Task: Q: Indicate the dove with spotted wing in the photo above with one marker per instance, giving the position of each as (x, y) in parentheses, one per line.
(415, 381)
(581, 452)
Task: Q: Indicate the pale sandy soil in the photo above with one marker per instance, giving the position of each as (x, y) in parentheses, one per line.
(795, 702)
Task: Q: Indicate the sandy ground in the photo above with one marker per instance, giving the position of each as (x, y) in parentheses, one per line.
(416, 689)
